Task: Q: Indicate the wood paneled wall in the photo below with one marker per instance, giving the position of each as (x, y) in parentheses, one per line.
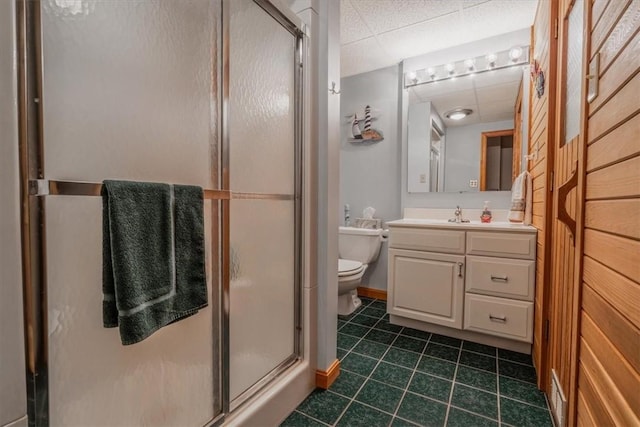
(541, 131)
(609, 352)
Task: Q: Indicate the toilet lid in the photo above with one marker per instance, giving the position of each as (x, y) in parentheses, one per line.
(347, 267)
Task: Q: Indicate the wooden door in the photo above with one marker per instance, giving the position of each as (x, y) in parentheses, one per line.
(567, 204)
(608, 367)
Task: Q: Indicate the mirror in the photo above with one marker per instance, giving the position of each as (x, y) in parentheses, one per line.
(480, 152)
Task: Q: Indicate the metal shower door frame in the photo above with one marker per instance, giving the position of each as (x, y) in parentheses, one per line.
(33, 204)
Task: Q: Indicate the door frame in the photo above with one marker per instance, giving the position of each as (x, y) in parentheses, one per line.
(569, 296)
(484, 136)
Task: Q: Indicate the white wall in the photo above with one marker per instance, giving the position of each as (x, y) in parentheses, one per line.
(370, 173)
(13, 395)
(323, 18)
(463, 154)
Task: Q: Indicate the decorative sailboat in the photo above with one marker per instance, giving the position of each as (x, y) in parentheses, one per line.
(355, 128)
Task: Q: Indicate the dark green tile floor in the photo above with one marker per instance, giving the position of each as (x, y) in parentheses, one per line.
(395, 376)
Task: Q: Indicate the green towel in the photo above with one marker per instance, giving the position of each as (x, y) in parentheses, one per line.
(153, 265)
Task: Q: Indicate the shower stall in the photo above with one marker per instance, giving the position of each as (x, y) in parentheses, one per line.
(199, 92)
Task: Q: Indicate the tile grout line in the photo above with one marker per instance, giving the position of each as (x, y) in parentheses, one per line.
(415, 369)
(405, 391)
(353, 399)
(309, 416)
(498, 388)
(453, 383)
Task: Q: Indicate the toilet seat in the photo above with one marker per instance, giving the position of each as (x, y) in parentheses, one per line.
(347, 267)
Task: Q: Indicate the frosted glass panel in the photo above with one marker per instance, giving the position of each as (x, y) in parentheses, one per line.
(165, 380)
(262, 289)
(262, 160)
(128, 89)
(261, 111)
(128, 93)
(574, 71)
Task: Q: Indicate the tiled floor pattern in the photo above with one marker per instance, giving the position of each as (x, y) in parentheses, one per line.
(394, 376)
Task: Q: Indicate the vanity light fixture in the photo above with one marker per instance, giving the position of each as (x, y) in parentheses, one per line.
(516, 56)
(458, 113)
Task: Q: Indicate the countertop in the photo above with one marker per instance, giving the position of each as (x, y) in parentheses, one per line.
(465, 226)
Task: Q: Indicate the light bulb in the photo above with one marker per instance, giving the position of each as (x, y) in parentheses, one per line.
(451, 68)
(412, 75)
(491, 60)
(431, 72)
(515, 53)
(470, 64)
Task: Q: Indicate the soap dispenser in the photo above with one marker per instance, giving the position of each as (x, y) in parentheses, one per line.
(486, 213)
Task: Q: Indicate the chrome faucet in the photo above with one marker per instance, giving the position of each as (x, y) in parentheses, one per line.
(458, 214)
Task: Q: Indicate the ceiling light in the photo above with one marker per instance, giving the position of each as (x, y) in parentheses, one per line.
(515, 53)
(458, 113)
(470, 64)
(491, 60)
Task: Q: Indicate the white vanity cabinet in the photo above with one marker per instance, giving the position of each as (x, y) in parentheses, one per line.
(471, 281)
(427, 286)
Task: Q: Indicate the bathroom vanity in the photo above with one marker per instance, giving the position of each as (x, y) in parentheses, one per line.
(467, 280)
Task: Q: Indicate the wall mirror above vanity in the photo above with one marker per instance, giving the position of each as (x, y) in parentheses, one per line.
(465, 124)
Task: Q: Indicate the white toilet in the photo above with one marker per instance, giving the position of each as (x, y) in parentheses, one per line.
(357, 248)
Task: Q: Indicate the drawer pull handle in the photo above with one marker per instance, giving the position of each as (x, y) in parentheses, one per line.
(499, 278)
(497, 319)
(460, 265)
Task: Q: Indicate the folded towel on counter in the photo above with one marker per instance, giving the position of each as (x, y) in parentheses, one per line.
(153, 262)
(521, 199)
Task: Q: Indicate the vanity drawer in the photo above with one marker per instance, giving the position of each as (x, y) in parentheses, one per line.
(425, 239)
(503, 277)
(499, 316)
(509, 245)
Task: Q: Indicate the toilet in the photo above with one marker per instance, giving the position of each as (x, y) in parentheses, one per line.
(357, 247)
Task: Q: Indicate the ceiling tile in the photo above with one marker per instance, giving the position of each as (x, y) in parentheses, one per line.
(387, 15)
(504, 92)
(424, 37)
(408, 28)
(495, 117)
(352, 27)
(358, 57)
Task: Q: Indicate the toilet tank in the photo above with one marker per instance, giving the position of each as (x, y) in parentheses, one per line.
(359, 244)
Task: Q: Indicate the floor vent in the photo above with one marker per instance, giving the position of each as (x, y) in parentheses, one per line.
(557, 401)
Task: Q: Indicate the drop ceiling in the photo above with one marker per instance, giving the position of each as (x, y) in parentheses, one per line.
(378, 33)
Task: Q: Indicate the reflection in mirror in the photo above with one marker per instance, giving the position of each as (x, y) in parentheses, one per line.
(437, 156)
(445, 154)
(496, 160)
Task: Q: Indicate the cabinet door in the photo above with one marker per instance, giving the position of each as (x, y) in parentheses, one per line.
(426, 286)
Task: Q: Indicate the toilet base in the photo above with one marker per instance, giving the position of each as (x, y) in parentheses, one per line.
(348, 303)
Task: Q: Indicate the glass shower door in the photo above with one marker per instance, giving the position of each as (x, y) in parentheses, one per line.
(128, 92)
(264, 181)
